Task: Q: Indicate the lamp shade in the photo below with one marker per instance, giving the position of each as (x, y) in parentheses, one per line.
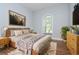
(5, 28)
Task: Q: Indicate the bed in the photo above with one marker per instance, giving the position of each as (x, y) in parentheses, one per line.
(29, 43)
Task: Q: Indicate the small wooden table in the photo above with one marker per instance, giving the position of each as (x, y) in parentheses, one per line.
(4, 41)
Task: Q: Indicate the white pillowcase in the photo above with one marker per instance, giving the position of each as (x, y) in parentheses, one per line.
(26, 31)
(12, 33)
(18, 32)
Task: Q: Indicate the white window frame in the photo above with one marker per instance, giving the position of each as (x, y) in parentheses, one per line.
(43, 23)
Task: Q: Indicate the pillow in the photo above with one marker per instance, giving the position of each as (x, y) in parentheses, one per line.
(26, 31)
(12, 33)
(18, 32)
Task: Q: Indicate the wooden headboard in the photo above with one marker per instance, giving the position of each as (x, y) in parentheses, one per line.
(8, 31)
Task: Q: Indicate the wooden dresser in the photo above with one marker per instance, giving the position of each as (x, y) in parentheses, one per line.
(73, 43)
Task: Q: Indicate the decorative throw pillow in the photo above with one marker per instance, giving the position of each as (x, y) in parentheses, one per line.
(12, 33)
(26, 31)
(18, 32)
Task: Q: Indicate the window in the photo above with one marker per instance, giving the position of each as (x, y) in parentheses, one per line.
(47, 24)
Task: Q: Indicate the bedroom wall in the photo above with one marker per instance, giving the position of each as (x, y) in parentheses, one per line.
(4, 17)
(61, 17)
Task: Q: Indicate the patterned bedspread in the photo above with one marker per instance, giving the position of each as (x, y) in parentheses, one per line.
(25, 43)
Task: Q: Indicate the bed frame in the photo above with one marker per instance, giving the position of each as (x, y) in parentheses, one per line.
(8, 34)
(8, 31)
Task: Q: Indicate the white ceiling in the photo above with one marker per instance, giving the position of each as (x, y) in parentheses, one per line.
(39, 6)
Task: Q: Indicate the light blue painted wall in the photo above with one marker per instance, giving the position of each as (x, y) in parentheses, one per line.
(61, 17)
(4, 17)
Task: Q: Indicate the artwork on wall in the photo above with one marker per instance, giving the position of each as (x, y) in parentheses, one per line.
(16, 18)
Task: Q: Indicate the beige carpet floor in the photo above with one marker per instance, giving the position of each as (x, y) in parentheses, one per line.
(56, 48)
(52, 48)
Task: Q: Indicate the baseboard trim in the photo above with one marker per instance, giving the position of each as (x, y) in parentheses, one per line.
(56, 38)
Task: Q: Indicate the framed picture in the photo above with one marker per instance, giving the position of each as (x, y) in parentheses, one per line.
(16, 18)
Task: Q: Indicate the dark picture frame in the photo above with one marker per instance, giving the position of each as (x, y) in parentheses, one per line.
(16, 18)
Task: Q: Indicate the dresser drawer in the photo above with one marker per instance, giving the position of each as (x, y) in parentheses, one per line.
(73, 51)
(73, 36)
(72, 43)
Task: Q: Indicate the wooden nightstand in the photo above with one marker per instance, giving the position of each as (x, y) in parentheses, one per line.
(4, 41)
